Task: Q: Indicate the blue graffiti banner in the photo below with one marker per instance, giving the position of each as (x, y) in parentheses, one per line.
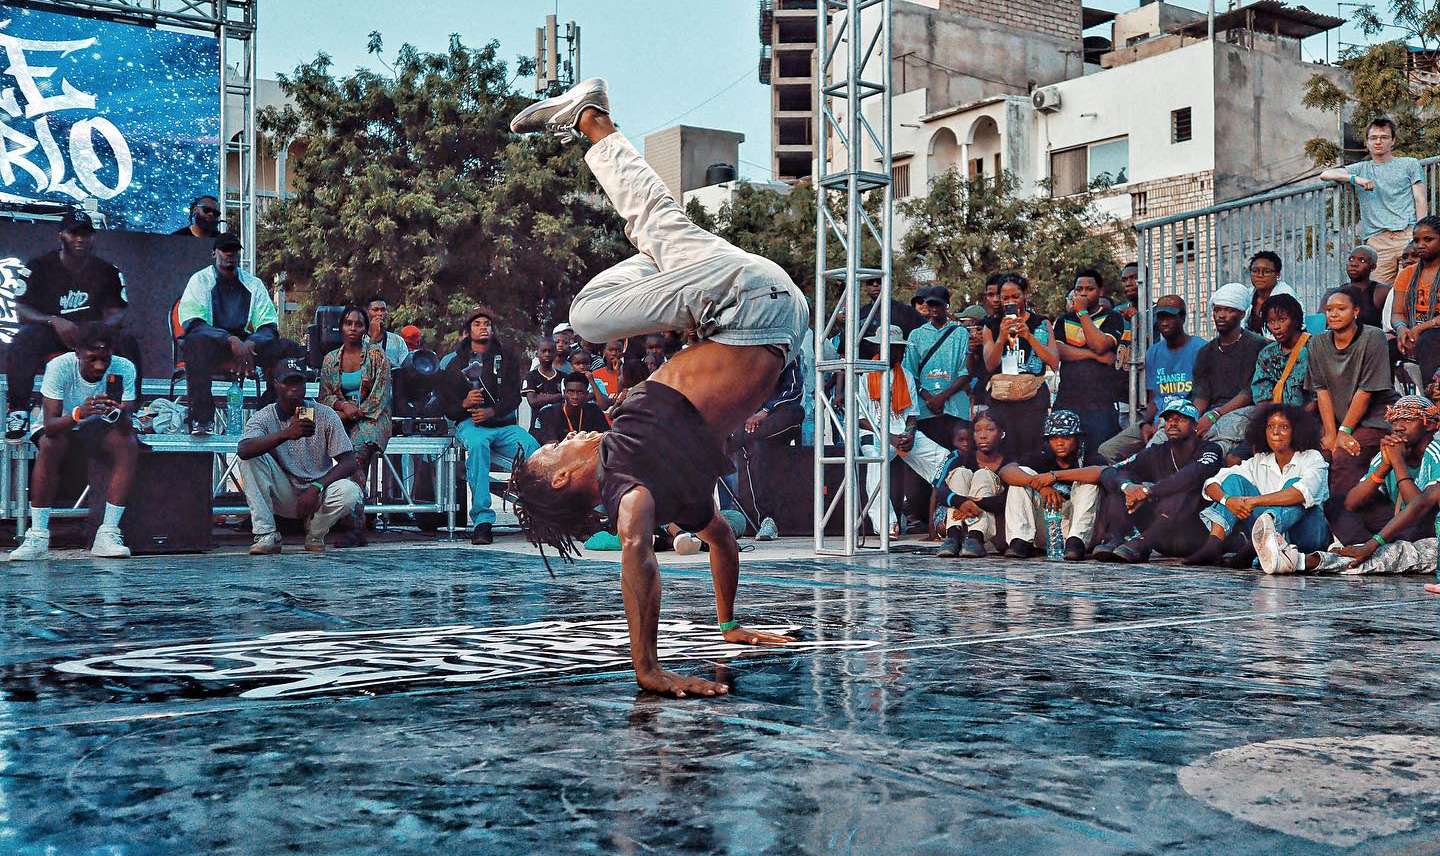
(123, 114)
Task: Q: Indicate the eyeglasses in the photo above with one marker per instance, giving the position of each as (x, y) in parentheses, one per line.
(208, 210)
(1263, 271)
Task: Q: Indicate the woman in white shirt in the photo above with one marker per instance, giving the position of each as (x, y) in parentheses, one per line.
(1278, 492)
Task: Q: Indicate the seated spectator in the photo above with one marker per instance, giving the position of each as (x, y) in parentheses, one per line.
(972, 492)
(64, 289)
(355, 383)
(542, 385)
(919, 452)
(296, 464)
(1169, 374)
(378, 333)
(1350, 375)
(1017, 342)
(1058, 476)
(1223, 369)
(1278, 492)
(1370, 293)
(1284, 363)
(228, 316)
(1086, 338)
(1385, 553)
(753, 447)
(1408, 462)
(84, 410)
(937, 355)
(580, 362)
(204, 216)
(574, 413)
(1415, 310)
(479, 391)
(413, 340)
(1265, 267)
(1157, 491)
(655, 353)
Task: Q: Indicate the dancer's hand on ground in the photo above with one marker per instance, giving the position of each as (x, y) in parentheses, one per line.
(741, 636)
(679, 686)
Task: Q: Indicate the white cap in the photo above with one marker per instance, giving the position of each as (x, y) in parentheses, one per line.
(562, 327)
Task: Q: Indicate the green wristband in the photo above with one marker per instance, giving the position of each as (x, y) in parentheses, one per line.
(1378, 539)
(727, 626)
(1348, 430)
(318, 486)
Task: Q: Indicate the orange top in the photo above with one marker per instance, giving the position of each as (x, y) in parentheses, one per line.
(1405, 283)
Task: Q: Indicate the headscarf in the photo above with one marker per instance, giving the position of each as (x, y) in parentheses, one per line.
(1233, 295)
(1412, 407)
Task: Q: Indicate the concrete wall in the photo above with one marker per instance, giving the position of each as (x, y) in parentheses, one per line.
(1060, 18)
(1148, 21)
(682, 154)
(1261, 126)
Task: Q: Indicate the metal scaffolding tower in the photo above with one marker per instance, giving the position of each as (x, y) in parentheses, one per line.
(849, 74)
(232, 22)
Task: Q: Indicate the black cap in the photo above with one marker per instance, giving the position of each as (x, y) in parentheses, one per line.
(228, 241)
(935, 292)
(77, 220)
(289, 368)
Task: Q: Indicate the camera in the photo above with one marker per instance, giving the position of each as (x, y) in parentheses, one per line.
(1012, 310)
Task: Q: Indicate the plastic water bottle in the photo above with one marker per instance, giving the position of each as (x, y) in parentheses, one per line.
(1054, 537)
(234, 409)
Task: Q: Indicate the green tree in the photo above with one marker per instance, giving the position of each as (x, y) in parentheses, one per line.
(410, 185)
(964, 230)
(1381, 83)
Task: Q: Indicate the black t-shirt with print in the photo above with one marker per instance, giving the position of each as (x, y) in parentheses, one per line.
(536, 382)
(1087, 384)
(78, 296)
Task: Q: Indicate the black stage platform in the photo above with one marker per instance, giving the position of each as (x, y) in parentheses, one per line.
(454, 700)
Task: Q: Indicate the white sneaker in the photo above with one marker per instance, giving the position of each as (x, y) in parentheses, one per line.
(686, 544)
(17, 425)
(767, 531)
(109, 544)
(35, 546)
(1276, 556)
(560, 114)
(268, 544)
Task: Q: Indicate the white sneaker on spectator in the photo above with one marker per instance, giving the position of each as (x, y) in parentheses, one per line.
(1276, 555)
(560, 114)
(109, 544)
(35, 546)
(687, 544)
(314, 543)
(17, 424)
(268, 544)
(767, 530)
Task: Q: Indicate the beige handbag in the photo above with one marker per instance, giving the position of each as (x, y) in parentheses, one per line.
(1014, 387)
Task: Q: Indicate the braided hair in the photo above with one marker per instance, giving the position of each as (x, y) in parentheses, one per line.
(549, 516)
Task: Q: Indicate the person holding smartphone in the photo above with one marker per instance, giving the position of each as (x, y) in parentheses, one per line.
(88, 396)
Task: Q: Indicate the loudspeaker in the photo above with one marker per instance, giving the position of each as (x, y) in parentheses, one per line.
(169, 510)
(323, 336)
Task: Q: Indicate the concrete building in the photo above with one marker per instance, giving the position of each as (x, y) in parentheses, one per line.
(683, 153)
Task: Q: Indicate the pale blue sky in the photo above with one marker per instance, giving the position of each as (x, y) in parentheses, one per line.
(668, 61)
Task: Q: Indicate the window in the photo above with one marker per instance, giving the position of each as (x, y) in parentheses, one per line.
(1185, 250)
(900, 180)
(1067, 172)
(1180, 125)
(1110, 161)
(1074, 170)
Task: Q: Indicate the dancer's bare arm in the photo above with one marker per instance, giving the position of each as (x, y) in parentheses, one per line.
(725, 573)
(640, 584)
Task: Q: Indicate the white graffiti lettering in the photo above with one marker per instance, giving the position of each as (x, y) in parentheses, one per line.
(14, 277)
(313, 662)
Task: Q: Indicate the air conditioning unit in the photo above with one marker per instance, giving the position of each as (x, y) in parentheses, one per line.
(1046, 100)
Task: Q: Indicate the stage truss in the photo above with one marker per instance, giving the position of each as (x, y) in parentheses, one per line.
(853, 67)
(233, 23)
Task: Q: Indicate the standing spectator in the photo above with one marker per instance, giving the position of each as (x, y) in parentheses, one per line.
(379, 334)
(1017, 342)
(81, 411)
(564, 336)
(990, 297)
(580, 362)
(972, 492)
(413, 340)
(1057, 476)
(227, 314)
(1391, 193)
(573, 414)
(901, 314)
(1408, 462)
(1129, 310)
(1369, 292)
(609, 372)
(1265, 268)
(542, 385)
(1415, 309)
(295, 464)
(972, 318)
(355, 383)
(1224, 367)
(204, 217)
(753, 446)
(1350, 375)
(1284, 363)
(1158, 492)
(1169, 375)
(63, 290)
(480, 392)
(655, 354)
(1276, 493)
(1086, 339)
(937, 355)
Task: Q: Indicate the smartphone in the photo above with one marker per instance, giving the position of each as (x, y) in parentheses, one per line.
(305, 412)
(1012, 310)
(114, 388)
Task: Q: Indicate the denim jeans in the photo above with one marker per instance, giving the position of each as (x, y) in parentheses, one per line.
(1304, 527)
(481, 446)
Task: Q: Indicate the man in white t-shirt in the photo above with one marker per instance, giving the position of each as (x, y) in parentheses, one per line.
(88, 396)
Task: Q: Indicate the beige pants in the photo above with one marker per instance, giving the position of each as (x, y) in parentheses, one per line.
(1388, 246)
(1023, 514)
(684, 277)
(269, 491)
(976, 484)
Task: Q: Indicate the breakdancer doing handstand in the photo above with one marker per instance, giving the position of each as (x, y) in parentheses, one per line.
(659, 461)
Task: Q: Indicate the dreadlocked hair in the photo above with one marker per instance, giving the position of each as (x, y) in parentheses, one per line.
(550, 516)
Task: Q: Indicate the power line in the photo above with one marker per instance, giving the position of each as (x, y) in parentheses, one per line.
(731, 85)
